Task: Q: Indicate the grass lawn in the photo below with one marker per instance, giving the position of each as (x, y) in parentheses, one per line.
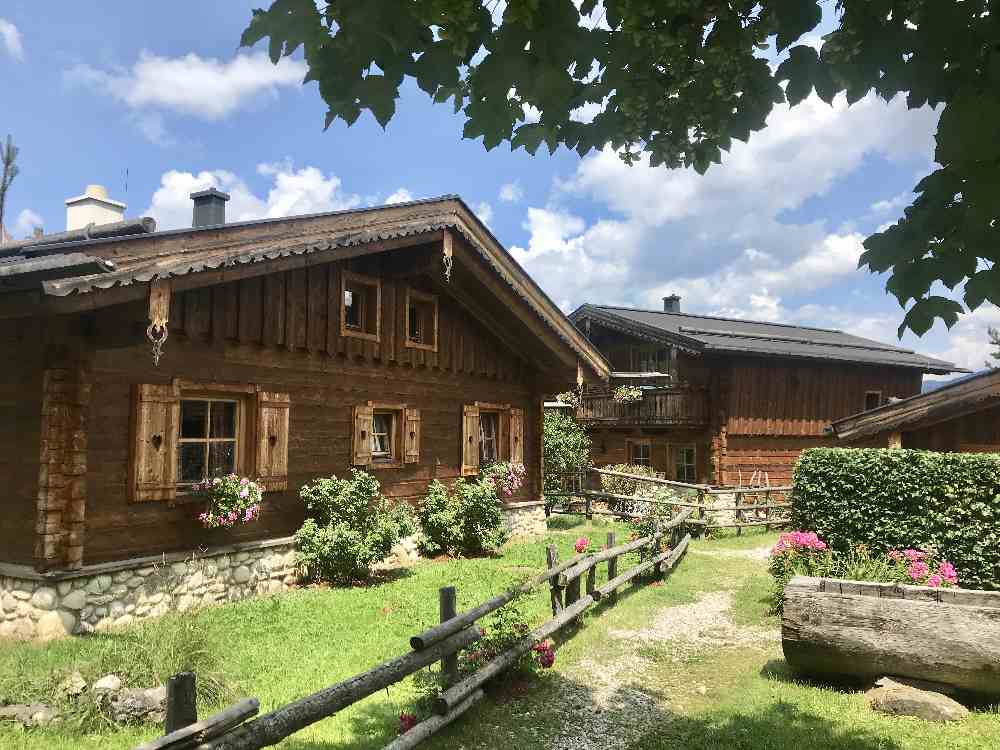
(663, 696)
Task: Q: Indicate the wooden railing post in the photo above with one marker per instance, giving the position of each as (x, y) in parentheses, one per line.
(612, 563)
(590, 508)
(447, 608)
(701, 512)
(738, 515)
(555, 592)
(182, 702)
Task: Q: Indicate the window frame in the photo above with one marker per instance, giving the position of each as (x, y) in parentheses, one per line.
(394, 459)
(348, 278)
(677, 451)
(497, 453)
(646, 443)
(421, 298)
(188, 390)
(873, 393)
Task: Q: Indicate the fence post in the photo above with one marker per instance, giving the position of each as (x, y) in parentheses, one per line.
(612, 564)
(182, 702)
(551, 558)
(447, 604)
(701, 512)
(738, 515)
(590, 509)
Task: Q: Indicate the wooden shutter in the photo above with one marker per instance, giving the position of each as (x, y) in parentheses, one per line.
(272, 439)
(470, 440)
(155, 421)
(517, 436)
(362, 443)
(411, 436)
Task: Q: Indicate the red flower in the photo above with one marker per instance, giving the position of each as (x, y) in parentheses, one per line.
(406, 722)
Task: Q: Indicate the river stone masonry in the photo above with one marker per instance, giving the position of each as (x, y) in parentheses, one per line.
(45, 607)
(526, 519)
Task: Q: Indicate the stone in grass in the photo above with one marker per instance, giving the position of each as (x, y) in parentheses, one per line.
(108, 684)
(73, 685)
(891, 697)
(138, 706)
(29, 715)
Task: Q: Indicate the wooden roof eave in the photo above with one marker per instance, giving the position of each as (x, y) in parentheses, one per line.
(638, 330)
(923, 410)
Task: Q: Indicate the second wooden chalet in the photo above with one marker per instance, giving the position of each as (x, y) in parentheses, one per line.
(722, 401)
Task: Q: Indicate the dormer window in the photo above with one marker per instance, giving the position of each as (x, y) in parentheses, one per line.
(421, 320)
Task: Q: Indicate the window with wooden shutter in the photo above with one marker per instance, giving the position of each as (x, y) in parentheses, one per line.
(470, 440)
(516, 432)
(362, 443)
(156, 419)
(411, 436)
(272, 439)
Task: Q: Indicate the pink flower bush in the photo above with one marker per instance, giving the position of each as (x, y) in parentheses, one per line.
(798, 541)
(918, 570)
(935, 580)
(581, 545)
(545, 654)
(506, 478)
(230, 500)
(947, 571)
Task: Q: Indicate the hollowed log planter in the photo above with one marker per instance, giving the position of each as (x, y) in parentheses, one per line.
(856, 629)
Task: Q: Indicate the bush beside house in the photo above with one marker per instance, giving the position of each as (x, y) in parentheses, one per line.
(898, 499)
(351, 527)
(565, 448)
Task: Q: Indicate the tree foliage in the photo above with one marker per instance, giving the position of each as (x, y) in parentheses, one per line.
(8, 157)
(673, 82)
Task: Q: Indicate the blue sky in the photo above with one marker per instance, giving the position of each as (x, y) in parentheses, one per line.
(161, 90)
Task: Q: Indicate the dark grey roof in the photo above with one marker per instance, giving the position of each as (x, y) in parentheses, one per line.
(38, 245)
(730, 335)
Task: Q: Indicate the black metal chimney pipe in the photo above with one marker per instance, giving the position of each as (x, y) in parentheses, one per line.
(209, 208)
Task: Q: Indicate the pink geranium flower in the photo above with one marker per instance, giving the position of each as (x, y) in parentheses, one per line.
(935, 580)
(918, 570)
(581, 544)
(406, 722)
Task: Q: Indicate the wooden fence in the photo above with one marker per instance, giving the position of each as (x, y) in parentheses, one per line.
(582, 493)
(573, 589)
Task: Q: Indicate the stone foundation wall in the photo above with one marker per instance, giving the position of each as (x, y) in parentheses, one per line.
(526, 519)
(50, 606)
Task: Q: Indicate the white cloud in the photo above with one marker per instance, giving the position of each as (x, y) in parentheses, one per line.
(11, 39)
(26, 222)
(722, 239)
(511, 192)
(892, 205)
(206, 88)
(968, 344)
(402, 195)
(484, 211)
(292, 192)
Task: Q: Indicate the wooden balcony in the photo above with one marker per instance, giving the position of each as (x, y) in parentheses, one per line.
(673, 405)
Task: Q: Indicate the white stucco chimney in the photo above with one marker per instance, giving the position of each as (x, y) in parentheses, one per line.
(93, 207)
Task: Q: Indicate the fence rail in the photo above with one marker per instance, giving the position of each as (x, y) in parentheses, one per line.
(583, 493)
(235, 728)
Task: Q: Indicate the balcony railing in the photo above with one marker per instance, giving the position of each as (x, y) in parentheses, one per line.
(675, 405)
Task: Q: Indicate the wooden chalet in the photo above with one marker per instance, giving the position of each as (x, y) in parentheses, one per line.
(961, 416)
(727, 402)
(403, 339)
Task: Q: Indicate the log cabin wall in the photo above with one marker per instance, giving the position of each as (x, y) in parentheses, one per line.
(978, 432)
(775, 409)
(612, 446)
(282, 332)
(20, 436)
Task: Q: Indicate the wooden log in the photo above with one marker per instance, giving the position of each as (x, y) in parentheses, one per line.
(430, 726)
(182, 702)
(447, 609)
(439, 632)
(556, 594)
(951, 636)
(772, 522)
(454, 695)
(673, 555)
(570, 574)
(193, 735)
(653, 480)
(613, 562)
(660, 562)
(275, 726)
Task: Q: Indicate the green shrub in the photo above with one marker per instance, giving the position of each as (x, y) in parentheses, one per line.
(468, 520)
(894, 499)
(624, 486)
(351, 526)
(565, 448)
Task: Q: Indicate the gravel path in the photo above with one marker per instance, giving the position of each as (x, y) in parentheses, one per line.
(604, 704)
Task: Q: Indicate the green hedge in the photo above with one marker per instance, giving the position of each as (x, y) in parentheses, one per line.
(893, 499)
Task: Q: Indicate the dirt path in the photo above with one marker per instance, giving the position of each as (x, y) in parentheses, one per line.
(605, 701)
